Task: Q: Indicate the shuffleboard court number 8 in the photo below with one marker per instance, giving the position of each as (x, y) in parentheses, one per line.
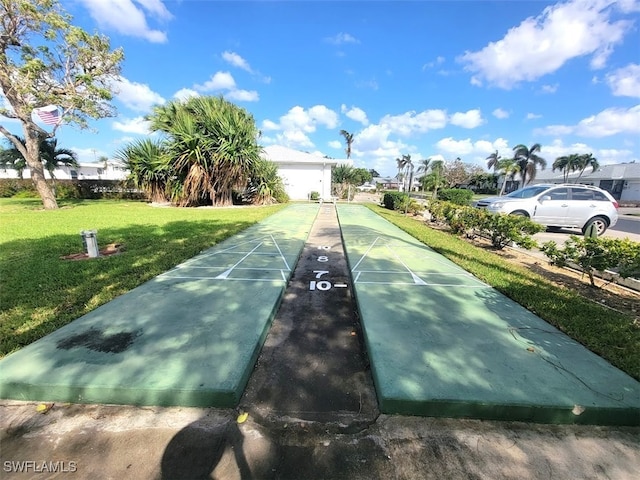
(323, 258)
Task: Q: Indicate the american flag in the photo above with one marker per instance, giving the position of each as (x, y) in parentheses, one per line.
(49, 114)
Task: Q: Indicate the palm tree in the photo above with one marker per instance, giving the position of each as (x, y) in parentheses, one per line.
(493, 160)
(423, 167)
(341, 177)
(435, 179)
(587, 160)
(149, 168)
(265, 186)
(212, 144)
(528, 160)
(507, 167)
(566, 164)
(348, 138)
(52, 156)
(405, 166)
(12, 158)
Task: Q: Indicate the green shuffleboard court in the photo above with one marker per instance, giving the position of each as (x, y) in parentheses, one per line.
(188, 337)
(444, 344)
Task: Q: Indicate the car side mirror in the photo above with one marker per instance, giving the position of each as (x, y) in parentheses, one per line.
(545, 198)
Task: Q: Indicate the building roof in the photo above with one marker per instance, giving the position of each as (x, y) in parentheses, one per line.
(280, 154)
(618, 171)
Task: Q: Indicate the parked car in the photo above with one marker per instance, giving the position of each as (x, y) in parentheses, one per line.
(367, 187)
(557, 206)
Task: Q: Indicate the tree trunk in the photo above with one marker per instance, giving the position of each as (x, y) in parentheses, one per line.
(32, 158)
(223, 198)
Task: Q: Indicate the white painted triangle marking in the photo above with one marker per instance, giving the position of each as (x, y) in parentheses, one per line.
(417, 280)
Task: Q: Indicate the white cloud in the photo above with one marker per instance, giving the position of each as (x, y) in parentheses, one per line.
(324, 116)
(374, 141)
(533, 116)
(297, 123)
(625, 82)
(218, 81)
(470, 151)
(132, 125)
(126, 17)
(411, 122)
(455, 147)
(469, 119)
(355, 113)
(185, 93)
(608, 122)
(88, 155)
(475, 81)
(542, 45)
(136, 96)
(342, 38)
(236, 60)
(270, 125)
(605, 156)
(243, 95)
(335, 144)
(224, 81)
(549, 88)
(500, 113)
(438, 61)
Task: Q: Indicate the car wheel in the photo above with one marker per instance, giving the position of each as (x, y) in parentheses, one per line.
(600, 223)
(519, 213)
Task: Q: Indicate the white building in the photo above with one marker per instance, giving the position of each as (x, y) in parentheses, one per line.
(301, 172)
(622, 180)
(109, 170)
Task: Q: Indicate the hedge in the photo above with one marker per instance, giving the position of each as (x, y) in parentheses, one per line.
(65, 189)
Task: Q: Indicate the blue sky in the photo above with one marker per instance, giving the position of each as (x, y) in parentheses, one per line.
(426, 78)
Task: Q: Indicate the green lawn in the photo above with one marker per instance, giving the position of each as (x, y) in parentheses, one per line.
(40, 292)
(612, 335)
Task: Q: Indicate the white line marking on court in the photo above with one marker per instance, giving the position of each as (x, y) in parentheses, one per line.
(426, 284)
(280, 251)
(224, 275)
(364, 255)
(416, 278)
(239, 279)
(284, 277)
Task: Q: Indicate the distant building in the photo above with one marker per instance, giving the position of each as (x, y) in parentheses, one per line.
(621, 180)
(109, 170)
(303, 173)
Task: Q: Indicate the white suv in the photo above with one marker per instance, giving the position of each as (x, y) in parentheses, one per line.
(557, 206)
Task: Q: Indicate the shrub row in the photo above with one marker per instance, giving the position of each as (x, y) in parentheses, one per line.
(503, 230)
(459, 196)
(72, 189)
(597, 254)
(401, 201)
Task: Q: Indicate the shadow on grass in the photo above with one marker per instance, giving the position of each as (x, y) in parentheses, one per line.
(42, 292)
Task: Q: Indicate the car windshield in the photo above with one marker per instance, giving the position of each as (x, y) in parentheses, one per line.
(527, 192)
